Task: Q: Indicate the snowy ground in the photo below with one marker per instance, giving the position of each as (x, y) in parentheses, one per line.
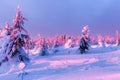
(97, 64)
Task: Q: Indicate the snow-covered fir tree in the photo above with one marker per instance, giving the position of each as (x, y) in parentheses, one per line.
(117, 38)
(84, 41)
(44, 48)
(69, 43)
(100, 41)
(15, 42)
(56, 46)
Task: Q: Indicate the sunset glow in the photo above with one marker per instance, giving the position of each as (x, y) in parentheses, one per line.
(49, 18)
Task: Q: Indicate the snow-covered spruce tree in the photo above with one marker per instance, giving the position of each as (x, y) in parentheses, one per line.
(100, 41)
(69, 43)
(56, 46)
(44, 48)
(117, 38)
(84, 41)
(16, 41)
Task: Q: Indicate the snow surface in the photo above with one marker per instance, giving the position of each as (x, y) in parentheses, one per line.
(102, 63)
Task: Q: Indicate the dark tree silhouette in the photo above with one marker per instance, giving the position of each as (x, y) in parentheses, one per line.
(84, 41)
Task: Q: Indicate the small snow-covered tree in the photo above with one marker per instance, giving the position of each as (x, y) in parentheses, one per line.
(100, 41)
(69, 43)
(44, 49)
(117, 39)
(84, 41)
